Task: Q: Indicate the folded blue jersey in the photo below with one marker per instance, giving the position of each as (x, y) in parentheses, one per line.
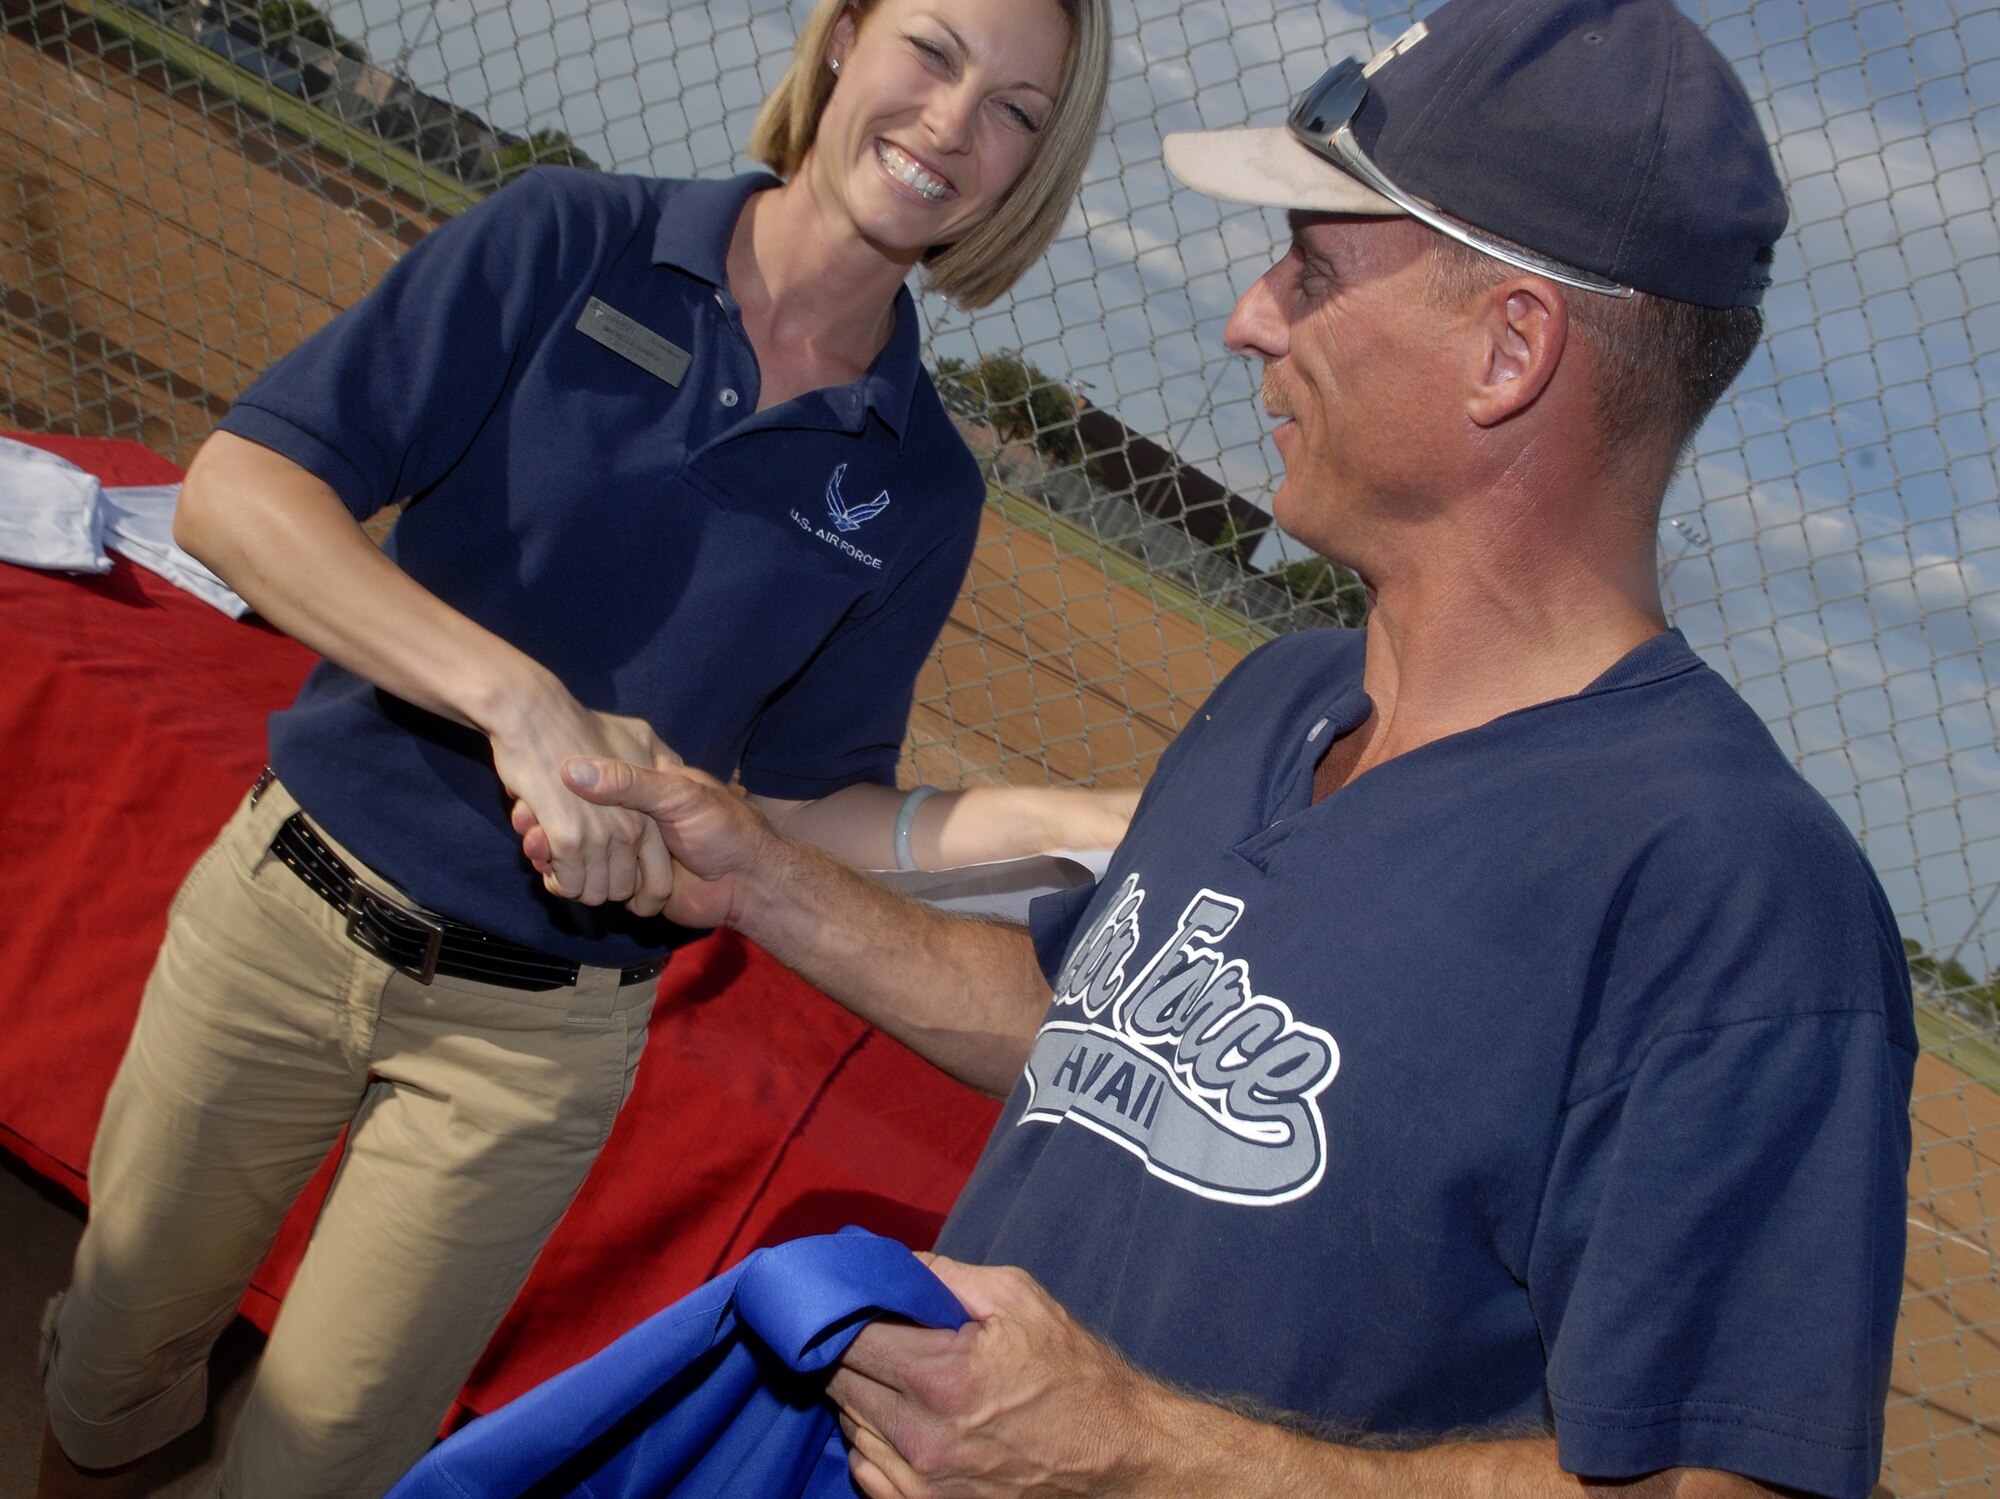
(716, 1395)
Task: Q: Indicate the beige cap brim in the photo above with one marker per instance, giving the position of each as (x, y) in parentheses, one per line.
(1270, 168)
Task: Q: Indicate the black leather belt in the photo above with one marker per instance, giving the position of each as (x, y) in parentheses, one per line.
(418, 942)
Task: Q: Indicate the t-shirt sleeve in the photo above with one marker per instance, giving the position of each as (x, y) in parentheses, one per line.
(841, 720)
(1719, 1264)
(383, 400)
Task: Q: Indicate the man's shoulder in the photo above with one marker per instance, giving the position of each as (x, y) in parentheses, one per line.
(1269, 690)
(1315, 659)
(1739, 889)
(1695, 748)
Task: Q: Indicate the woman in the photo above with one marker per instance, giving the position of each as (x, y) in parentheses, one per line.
(679, 487)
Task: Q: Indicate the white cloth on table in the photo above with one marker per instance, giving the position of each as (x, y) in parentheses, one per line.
(56, 516)
(139, 523)
(51, 512)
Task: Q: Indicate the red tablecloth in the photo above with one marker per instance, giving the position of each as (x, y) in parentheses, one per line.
(133, 720)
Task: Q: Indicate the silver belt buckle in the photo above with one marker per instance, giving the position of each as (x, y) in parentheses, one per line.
(359, 893)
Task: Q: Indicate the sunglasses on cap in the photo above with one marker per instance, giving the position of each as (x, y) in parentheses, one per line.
(1323, 122)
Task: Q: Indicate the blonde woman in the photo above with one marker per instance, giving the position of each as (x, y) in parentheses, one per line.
(679, 488)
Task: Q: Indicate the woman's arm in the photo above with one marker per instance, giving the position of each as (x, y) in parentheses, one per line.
(281, 538)
(973, 826)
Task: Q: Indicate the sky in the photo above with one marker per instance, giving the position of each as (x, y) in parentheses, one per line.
(1833, 547)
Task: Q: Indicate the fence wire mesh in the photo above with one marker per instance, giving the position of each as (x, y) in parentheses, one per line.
(189, 187)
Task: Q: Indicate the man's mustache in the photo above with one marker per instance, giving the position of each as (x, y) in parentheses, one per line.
(1275, 400)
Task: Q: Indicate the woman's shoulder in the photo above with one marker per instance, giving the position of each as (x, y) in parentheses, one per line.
(577, 194)
(934, 434)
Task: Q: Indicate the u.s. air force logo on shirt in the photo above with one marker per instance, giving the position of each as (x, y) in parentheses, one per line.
(845, 518)
(1174, 1056)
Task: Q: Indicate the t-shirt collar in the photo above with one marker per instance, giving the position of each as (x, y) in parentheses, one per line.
(1666, 654)
(693, 237)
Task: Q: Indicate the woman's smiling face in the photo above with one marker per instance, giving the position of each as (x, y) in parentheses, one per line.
(937, 110)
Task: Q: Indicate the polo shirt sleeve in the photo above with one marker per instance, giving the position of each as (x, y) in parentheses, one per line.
(1718, 1265)
(841, 721)
(382, 401)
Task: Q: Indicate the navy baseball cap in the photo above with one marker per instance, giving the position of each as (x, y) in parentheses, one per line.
(1607, 141)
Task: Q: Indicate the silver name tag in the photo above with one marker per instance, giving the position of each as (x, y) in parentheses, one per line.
(631, 339)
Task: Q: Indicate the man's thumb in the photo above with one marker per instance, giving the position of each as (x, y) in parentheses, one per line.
(598, 780)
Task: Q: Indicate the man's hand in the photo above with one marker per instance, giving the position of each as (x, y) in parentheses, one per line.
(587, 853)
(711, 833)
(1021, 1400)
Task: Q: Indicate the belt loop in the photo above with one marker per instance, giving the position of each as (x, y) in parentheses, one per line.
(596, 995)
(270, 805)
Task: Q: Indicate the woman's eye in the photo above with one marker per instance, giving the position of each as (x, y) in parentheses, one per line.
(1020, 118)
(931, 52)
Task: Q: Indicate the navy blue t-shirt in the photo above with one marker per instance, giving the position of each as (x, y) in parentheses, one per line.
(760, 587)
(1555, 1071)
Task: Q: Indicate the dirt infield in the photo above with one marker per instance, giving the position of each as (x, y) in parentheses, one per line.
(157, 248)
(1944, 1399)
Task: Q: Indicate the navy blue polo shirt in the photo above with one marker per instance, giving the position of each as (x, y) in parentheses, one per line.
(761, 587)
(1555, 1071)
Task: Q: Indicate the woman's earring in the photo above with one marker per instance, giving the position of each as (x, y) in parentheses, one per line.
(834, 63)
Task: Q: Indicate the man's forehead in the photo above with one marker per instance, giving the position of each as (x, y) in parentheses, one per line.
(1349, 234)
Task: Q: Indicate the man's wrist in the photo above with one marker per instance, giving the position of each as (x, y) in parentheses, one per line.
(779, 886)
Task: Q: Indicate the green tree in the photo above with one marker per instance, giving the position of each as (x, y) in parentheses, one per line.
(1950, 982)
(545, 147)
(1327, 586)
(282, 21)
(1023, 404)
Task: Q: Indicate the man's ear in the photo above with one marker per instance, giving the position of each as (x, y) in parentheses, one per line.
(1522, 328)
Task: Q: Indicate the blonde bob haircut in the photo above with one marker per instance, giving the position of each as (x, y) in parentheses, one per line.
(993, 256)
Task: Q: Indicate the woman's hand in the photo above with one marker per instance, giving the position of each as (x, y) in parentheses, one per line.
(584, 853)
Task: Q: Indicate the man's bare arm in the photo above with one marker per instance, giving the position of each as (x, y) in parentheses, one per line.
(965, 995)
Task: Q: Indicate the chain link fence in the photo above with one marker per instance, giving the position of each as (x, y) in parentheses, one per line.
(189, 187)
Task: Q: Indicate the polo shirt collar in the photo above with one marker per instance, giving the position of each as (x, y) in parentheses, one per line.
(693, 234)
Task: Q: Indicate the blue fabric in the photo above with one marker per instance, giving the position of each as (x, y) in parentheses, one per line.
(668, 552)
(1557, 1070)
(713, 1396)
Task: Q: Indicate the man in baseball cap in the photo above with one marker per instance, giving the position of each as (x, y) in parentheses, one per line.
(1484, 1067)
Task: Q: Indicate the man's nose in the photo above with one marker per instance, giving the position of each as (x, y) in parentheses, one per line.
(1256, 328)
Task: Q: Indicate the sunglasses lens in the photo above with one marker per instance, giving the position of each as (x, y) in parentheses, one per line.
(1331, 103)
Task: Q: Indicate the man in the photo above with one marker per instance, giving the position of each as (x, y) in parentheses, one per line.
(1483, 1069)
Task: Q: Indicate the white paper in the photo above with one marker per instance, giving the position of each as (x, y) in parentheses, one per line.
(1003, 889)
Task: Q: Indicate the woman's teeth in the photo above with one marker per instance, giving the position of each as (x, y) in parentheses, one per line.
(906, 170)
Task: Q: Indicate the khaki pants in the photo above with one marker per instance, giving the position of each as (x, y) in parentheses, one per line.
(474, 1112)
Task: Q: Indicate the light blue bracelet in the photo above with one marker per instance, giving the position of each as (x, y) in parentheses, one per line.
(905, 816)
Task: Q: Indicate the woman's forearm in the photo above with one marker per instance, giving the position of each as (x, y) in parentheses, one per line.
(973, 826)
(281, 538)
